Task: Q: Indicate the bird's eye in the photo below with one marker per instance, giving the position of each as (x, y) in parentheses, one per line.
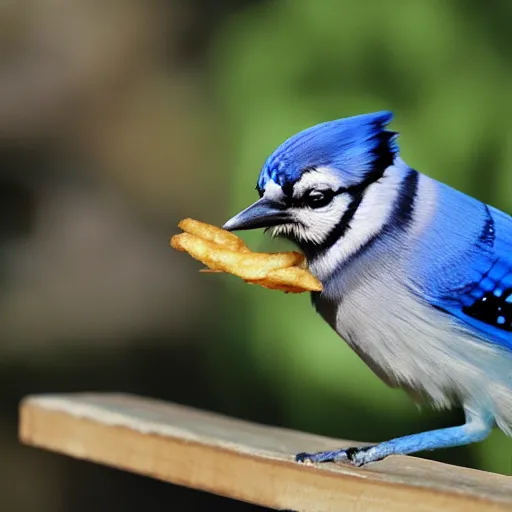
(318, 198)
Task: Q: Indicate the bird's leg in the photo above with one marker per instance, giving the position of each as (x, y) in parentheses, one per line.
(477, 427)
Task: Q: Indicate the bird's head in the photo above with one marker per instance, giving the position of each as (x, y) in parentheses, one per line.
(311, 185)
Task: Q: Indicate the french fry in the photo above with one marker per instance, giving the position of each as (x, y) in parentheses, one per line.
(214, 234)
(291, 279)
(221, 251)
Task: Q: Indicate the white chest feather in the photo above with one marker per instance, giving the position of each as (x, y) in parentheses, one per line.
(417, 347)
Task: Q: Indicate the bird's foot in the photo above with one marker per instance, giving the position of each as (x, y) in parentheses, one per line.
(358, 456)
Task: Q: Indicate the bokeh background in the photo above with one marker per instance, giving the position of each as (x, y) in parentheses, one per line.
(120, 117)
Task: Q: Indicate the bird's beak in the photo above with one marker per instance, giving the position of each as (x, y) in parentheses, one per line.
(261, 214)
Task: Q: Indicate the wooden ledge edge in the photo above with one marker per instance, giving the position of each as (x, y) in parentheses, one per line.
(245, 461)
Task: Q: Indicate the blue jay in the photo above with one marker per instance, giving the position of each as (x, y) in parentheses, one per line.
(417, 276)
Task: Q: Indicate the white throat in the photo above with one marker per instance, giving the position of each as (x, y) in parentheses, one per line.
(371, 216)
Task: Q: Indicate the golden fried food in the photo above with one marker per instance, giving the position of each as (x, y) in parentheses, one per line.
(222, 251)
(214, 234)
(291, 280)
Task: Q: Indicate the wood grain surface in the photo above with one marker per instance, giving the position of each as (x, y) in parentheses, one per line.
(247, 461)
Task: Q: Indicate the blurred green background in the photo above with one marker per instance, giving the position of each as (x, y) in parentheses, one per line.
(120, 117)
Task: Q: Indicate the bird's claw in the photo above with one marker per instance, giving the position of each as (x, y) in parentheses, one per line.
(354, 455)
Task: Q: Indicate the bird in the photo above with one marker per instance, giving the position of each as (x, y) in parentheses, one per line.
(416, 275)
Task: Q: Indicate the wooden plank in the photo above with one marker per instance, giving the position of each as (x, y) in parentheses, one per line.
(246, 461)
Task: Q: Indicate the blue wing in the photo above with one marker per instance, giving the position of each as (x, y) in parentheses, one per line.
(471, 277)
(486, 303)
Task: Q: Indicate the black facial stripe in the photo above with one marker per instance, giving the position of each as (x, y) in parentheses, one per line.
(312, 250)
(400, 218)
(404, 205)
(343, 224)
(287, 189)
(301, 202)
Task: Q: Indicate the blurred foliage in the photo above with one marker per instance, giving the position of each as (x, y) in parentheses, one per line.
(445, 72)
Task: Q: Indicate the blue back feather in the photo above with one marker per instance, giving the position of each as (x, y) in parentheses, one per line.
(472, 277)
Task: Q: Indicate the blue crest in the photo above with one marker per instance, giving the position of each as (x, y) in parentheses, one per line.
(353, 145)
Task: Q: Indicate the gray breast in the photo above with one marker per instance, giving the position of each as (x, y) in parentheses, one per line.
(329, 311)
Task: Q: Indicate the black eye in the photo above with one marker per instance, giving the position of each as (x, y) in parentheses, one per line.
(318, 198)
